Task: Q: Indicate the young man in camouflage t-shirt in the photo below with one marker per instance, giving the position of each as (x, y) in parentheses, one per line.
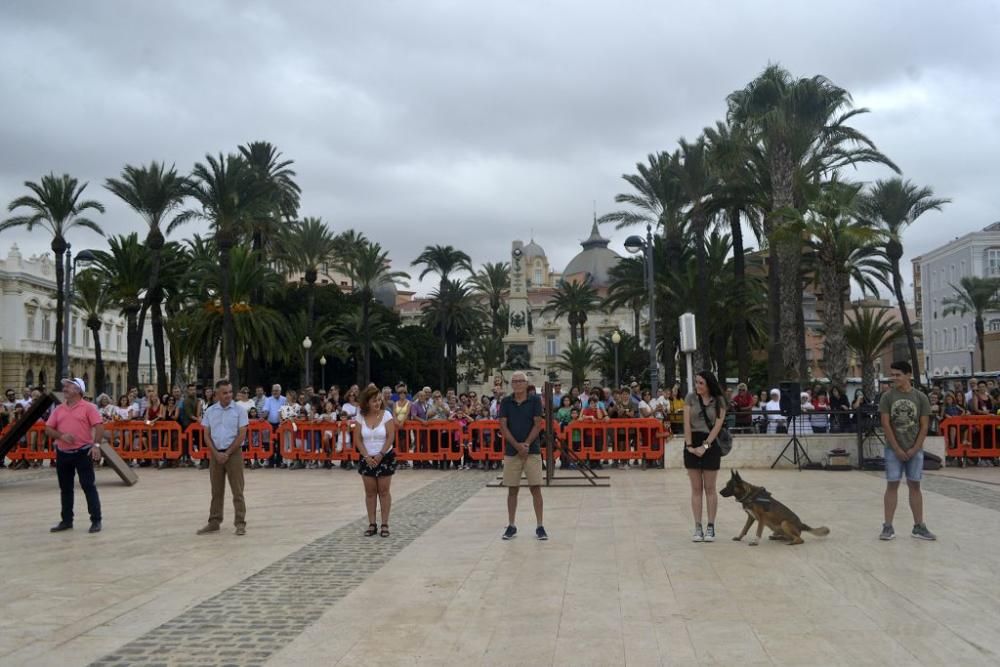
(905, 417)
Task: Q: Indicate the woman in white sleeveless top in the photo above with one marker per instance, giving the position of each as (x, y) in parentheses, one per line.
(377, 433)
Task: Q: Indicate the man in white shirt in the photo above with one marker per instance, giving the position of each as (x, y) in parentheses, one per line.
(225, 431)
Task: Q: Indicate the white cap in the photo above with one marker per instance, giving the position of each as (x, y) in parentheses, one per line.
(775, 391)
(78, 382)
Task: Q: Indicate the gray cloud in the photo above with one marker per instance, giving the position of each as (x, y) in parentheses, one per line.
(476, 123)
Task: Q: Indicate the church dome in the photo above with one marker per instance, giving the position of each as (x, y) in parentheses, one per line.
(533, 250)
(595, 260)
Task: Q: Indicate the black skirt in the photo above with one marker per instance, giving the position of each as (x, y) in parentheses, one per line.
(385, 468)
(710, 460)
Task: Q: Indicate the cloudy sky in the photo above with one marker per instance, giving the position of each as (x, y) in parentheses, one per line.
(474, 123)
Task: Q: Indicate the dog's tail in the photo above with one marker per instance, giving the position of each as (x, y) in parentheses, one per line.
(822, 530)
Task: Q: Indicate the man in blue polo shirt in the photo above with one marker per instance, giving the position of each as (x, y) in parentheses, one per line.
(520, 423)
(225, 425)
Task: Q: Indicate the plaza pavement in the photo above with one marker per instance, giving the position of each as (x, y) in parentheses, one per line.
(618, 583)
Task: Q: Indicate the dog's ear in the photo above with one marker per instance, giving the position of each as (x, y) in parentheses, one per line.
(736, 475)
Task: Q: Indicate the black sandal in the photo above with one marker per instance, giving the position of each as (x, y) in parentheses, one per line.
(385, 530)
(372, 529)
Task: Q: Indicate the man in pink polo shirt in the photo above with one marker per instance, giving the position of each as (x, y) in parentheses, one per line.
(76, 428)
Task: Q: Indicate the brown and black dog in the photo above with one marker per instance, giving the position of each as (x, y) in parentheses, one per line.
(761, 507)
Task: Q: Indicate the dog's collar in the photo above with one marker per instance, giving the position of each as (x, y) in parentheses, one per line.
(752, 494)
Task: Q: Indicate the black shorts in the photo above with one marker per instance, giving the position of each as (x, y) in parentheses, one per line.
(711, 460)
(386, 468)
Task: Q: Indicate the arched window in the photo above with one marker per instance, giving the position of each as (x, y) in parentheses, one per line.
(86, 381)
(30, 324)
(29, 379)
(42, 378)
(539, 275)
(46, 327)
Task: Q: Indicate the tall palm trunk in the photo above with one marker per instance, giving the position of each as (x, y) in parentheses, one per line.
(702, 354)
(741, 335)
(367, 356)
(159, 354)
(59, 250)
(252, 364)
(94, 324)
(228, 325)
(834, 286)
(154, 241)
(911, 342)
(133, 341)
(787, 249)
(868, 378)
(671, 326)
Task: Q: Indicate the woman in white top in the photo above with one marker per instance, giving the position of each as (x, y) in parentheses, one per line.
(377, 432)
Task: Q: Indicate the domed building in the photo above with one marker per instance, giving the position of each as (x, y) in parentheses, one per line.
(595, 260)
(536, 265)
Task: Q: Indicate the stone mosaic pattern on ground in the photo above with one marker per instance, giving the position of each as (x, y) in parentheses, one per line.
(247, 623)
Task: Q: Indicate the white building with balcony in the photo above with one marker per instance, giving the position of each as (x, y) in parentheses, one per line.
(950, 346)
(28, 327)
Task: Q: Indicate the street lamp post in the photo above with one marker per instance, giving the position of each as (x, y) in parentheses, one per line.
(68, 279)
(635, 244)
(322, 370)
(306, 344)
(616, 338)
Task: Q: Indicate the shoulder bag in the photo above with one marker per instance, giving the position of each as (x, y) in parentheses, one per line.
(724, 439)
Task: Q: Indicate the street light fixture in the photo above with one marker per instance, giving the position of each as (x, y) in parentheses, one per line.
(84, 256)
(322, 366)
(616, 338)
(634, 244)
(306, 344)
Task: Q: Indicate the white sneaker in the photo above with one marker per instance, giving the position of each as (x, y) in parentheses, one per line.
(710, 533)
(697, 535)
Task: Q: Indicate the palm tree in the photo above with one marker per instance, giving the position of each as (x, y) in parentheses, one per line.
(692, 167)
(577, 359)
(280, 191)
(359, 334)
(93, 298)
(574, 299)
(628, 289)
(486, 349)
(979, 296)
(230, 196)
(799, 127)
(457, 313)
(258, 330)
(442, 260)
(152, 192)
(492, 281)
(55, 206)
(632, 358)
(843, 247)
(124, 272)
(657, 200)
(368, 268)
(894, 205)
(304, 247)
(739, 196)
(868, 333)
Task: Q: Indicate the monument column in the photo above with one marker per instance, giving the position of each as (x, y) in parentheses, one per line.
(518, 342)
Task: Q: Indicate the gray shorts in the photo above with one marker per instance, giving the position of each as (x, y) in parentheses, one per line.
(894, 468)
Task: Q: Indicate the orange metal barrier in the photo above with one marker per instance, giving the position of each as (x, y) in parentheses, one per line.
(315, 441)
(485, 440)
(195, 438)
(971, 436)
(144, 441)
(428, 441)
(616, 439)
(34, 446)
(260, 441)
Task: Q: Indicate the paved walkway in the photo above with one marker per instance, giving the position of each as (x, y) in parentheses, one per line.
(618, 583)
